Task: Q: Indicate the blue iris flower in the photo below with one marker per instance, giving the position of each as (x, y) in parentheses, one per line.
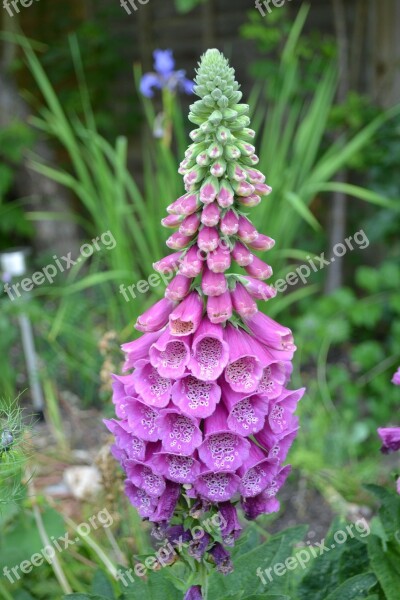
(165, 76)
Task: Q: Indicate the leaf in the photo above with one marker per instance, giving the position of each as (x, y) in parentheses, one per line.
(101, 585)
(389, 512)
(277, 549)
(334, 566)
(354, 588)
(300, 206)
(386, 566)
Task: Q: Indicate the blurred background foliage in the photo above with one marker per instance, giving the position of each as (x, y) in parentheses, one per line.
(81, 123)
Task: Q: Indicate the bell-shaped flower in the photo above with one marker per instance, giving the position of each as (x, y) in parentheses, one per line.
(217, 487)
(170, 355)
(246, 362)
(257, 472)
(179, 433)
(219, 308)
(138, 349)
(144, 504)
(194, 397)
(186, 317)
(156, 316)
(153, 388)
(210, 352)
(181, 469)
(143, 477)
(178, 288)
(142, 420)
(222, 450)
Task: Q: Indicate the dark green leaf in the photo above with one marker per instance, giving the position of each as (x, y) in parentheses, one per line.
(354, 588)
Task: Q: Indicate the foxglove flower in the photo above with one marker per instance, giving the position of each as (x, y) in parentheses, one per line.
(390, 436)
(206, 415)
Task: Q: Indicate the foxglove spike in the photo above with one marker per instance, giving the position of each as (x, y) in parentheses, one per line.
(206, 417)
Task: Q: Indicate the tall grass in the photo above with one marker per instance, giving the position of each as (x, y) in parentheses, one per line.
(298, 160)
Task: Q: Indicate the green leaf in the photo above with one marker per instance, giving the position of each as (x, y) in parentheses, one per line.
(386, 566)
(101, 585)
(389, 512)
(354, 588)
(336, 565)
(277, 549)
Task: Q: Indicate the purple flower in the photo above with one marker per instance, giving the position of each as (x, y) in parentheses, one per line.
(179, 434)
(266, 502)
(210, 352)
(205, 417)
(278, 445)
(166, 503)
(257, 472)
(217, 487)
(193, 593)
(181, 469)
(156, 316)
(186, 317)
(138, 349)
(143, 477)
(231, 526)
(165, 76)
(246, 362)
(198, 547)
(153, 388)
(396, 377)
(222, 449)
(222, 559)
(390, 437)
(195, 397)
(278, 339)
(169, 356)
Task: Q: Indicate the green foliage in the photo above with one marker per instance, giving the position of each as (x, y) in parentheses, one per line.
(15, 140)
(184, 6)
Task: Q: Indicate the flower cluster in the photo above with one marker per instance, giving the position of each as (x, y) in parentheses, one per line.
(390, 436)
(206, 411)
